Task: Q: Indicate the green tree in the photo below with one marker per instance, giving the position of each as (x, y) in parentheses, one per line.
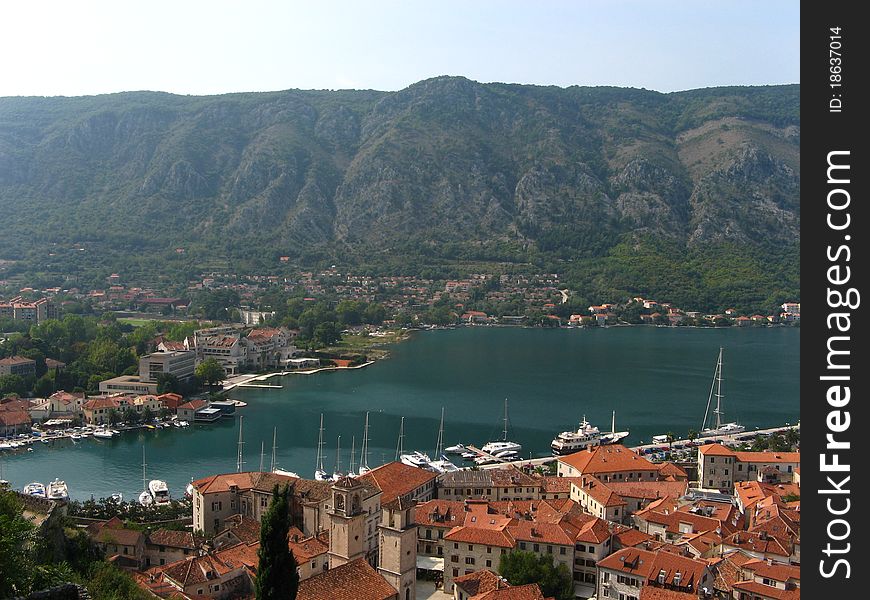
(210, 372)
(277, 578)
(327, 334)
(16, 538)
(44, 386)
(12, 384)
(147, 415)
(521, 568)
(130, 416)
(167, 382)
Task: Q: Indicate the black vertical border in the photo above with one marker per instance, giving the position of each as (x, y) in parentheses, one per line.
(824, 131)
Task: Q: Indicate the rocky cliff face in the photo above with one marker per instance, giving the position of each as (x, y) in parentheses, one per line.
(446, 159)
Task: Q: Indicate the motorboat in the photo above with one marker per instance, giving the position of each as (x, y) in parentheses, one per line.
(57, 490)
(103, 434)
(415, 459)
(457, 449)
(34, 489)
(159, 491)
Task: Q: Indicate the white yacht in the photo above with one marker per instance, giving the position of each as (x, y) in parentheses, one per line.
(441, 464)
(568, 442)
(103, 434)
(457, 449)
(159, 491)
(416, 459)
(57, 490)
(504, 444)
(34, 489)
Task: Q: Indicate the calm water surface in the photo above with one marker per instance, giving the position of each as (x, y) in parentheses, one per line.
(657, 380)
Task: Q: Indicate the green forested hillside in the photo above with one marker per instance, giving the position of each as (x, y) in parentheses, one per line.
(692, 194)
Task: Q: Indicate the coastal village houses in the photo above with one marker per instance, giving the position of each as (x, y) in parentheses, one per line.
(720, 467)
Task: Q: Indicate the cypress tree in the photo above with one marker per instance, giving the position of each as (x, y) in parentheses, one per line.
(277, 578)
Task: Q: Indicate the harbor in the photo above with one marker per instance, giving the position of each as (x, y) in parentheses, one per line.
(551, 378)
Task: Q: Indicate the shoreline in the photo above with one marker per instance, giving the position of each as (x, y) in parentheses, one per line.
(247, 380)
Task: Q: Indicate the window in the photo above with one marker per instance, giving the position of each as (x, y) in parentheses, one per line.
(456, 572)
(562, 550)
(549, 549)
(454, 558)
(489, 549)
(488, 563)
(469, 560)
(661, 578)
(470, 548)
(428, 534)
(456, 545)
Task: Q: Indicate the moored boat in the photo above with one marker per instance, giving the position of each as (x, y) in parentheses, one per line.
(34, 489)
(159, 491)
(503, 444)
(57, 490)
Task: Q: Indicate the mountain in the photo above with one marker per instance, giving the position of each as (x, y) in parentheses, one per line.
(447, 169)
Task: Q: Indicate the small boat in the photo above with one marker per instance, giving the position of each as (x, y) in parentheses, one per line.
(469, 455)
(34, 489)
(182, 424)
(506, 454)
(485, 460)
(103, 434)
(188, 490)
(149, 426)
(44, 440)
(504, 444)
(444, 465)
(159, 491)
(457, 449)
(76, 436)
(57, 490)
(117, 497)
(30, 449)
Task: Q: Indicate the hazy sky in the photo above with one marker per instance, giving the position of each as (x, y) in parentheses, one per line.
(81, 47)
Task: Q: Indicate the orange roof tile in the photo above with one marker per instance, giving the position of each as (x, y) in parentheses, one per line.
(356, 580)
(607, 459)
(397, 479)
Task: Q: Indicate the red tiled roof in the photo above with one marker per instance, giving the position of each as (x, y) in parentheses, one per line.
(607, 459)
(12, 418)
(173, 539)
(356, 580)
(649, 592)
(396, 479)
(479, 582)
(480, 535)
(648, 490)
(765, 591)
(529, 591)
(773, 570)
(629, 538)
(264, 482)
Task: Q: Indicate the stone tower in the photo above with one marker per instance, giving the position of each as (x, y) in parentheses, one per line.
(397, 556)
(346, 522)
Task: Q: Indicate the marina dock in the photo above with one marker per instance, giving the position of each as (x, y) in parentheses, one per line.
(736, 438)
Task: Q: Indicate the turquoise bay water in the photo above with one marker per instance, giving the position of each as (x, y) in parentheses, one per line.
(657, 380)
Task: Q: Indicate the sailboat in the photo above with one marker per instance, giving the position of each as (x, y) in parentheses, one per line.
(320, 473)
(613, 436)
(441, 464)
(503, 444)
(337, 474)
(718, 427)
(364, 451)
(274, 466)
(145, 498)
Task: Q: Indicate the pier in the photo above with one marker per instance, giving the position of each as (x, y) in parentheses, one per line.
(727, 440)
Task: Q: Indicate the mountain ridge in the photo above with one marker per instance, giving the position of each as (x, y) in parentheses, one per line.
(541, 171)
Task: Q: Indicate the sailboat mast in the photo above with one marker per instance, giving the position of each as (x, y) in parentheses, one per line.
(262, 454)
(440, 449)
(400, 446)
(338, 459)
(352, 453)
(274, 447)
(319, 465)
(240, 459)
(504, 431)
(144, 478)
(718, 410)
(364, 452)
(613, 423)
